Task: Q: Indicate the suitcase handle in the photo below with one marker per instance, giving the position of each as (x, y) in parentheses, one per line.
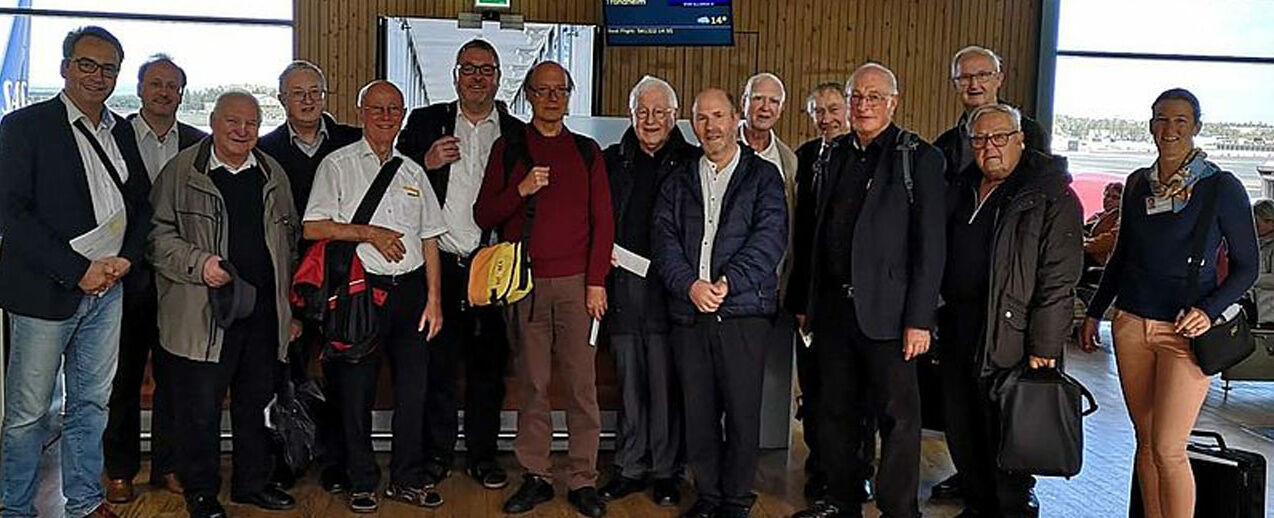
(1220, 441)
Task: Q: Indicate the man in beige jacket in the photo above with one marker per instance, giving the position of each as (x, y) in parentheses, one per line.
(223, 243)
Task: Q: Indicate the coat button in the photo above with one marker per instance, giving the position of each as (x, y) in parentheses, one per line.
(1008, 314)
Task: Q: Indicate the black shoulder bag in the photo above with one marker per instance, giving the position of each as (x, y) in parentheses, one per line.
(1041, 421)
(350, 311)
(1226, 343)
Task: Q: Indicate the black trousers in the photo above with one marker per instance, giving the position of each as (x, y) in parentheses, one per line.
(856, 373)
(721, 364)
(807, 412)
(973, 424)
(139, 337)
(249, 352)
(476, 337)
(650, 424)
(352, 387)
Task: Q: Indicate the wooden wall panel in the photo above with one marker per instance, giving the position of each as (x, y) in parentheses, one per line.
(803, 41)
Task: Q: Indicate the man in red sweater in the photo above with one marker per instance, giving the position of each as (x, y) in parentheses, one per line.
(560, 178)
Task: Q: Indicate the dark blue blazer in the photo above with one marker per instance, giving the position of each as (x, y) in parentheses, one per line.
(45, 202)
(751, 237)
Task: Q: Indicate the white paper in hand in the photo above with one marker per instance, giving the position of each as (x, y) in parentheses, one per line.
(592, 332)
(631, 262)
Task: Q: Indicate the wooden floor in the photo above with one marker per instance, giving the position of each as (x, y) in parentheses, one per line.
(1101, 490)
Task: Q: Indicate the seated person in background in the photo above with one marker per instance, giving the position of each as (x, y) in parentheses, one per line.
(1100, 229)
(1263, 290)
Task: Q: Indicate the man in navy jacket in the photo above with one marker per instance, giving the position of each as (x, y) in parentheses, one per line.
(720, 229)
(74, 217)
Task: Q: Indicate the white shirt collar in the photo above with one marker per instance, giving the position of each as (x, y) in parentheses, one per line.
(365, 149)
(712, 166)
(73, 114)
(493, 116)
(147, 130)
(322, 131)
(215, 162)
(743, 137)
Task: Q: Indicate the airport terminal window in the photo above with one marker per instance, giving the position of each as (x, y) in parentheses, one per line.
(240, 44)
(420, 53)
(1114, 58)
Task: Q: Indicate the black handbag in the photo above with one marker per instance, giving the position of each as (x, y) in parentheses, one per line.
(1041, 421)
(1226, 343)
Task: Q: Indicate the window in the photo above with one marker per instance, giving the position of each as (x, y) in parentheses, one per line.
(420, 54)
(241, 44)
(1114, 58)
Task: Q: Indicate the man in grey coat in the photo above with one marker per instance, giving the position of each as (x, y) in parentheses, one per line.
(223, 243)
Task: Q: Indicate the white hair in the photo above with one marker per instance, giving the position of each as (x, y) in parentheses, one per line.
(893, 79)
(362, 92)
(747, 88)
(977, 113)
(233, 94)
(646, 83)
(973, 50)
(300, 65)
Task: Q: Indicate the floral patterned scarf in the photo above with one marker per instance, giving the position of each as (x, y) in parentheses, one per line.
(1180, 184)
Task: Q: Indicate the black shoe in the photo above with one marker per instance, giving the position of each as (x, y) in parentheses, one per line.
(701, 509)
(733, 511)
(948, 489)
(620, 487)
(424, 496)
(205, 506)
(868, 492)
(815, 486)
(437, 470)
(1032, 506)
(535, 490)
(363, 502)
(271, 499)
(825, 509)
(334, 480)
(666, 492)
(489, 474)
(587, 501)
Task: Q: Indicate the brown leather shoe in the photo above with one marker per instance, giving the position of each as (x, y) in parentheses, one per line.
(118, 491)
(103, 511)
(168, 482)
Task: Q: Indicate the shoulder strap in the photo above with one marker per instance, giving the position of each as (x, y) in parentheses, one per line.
(907, 144)
(585, 146)
(1199, 237)
(371, 199)
(101, 155)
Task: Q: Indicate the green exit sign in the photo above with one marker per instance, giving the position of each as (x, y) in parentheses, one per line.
(492, 4)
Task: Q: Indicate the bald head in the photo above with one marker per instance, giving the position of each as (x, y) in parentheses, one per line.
(380, 109)
(235, 120)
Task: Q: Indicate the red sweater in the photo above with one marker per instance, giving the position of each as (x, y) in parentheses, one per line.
(573, 230)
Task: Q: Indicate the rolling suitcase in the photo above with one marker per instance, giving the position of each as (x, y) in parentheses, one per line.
(1229, 483)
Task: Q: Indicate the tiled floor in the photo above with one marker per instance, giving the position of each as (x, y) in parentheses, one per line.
(1101, 490)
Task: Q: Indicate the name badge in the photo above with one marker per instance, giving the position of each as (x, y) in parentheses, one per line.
(1157, 205)
(411, 191)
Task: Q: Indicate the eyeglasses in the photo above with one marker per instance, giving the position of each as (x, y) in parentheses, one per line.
(547, 91)
(468, 69)
(313, 94)
(998, 139)
(385, 111)
(968, 79)
(870, 100)
(657, 113)
(91, 66)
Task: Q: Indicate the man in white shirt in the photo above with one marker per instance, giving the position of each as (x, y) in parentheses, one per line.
(159, 136)
(453, 141)
(763, 99)
(399, 251)
(74, 220)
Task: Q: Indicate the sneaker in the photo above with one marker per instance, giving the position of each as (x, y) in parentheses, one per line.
(424, 496)
(363, 502)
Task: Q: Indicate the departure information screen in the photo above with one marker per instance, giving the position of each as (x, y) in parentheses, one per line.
(669, 22)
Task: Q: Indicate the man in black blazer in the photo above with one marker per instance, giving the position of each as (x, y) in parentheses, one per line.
(74, 217)
(452, 140)
(159, 136)
(866, 285)
(299, 144)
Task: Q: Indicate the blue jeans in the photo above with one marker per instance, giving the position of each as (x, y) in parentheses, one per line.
(88, 343)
